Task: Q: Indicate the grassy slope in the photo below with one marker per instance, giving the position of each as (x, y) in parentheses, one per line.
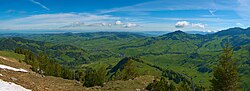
(32, 80)
(156, 50)
(36, 82)
(11, 55)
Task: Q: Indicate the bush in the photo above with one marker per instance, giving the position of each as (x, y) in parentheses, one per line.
(162, 85)
(95, 77)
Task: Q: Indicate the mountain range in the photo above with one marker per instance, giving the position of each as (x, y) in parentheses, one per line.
(191, 54)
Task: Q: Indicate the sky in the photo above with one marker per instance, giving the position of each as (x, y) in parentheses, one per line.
(123, 15)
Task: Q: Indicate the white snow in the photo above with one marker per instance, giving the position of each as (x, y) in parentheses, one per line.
(11, 68)
(3, 58)
(9, 86)
(1, 74)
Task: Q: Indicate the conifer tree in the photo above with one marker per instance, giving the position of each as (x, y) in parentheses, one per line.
(162, 85)
(94, 77)
(225, 73)
(35, 65)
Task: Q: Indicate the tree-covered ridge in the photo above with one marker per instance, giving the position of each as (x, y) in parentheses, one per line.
(91, 40)
(44, 65)
(233, 32)
(66, 54)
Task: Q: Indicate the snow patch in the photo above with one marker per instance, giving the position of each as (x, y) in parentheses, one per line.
(3, 58)
(11, 68)
(9, 86)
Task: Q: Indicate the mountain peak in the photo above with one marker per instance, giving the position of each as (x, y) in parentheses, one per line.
(248, 28)
(232, 31)
(176, 35)
(178, 32)
(236, 28)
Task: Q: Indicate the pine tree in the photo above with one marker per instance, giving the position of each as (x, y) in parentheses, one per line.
(225, 73)
(35, 66)
(58, 70)
(94, 77)
(101, 73)
(79, 75)
(162, 85)
(184, 87)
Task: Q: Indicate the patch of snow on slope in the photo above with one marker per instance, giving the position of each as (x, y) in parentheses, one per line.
(9, 86)
(11, 68)
(3, 58)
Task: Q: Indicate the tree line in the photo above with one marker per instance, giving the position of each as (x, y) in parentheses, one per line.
(44, 65)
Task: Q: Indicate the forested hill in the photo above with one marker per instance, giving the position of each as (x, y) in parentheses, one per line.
(233, 32)
(192, 54)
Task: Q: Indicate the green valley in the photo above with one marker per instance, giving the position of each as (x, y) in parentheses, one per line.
(178, 56)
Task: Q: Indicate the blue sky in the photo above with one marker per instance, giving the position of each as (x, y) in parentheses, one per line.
(123, 15)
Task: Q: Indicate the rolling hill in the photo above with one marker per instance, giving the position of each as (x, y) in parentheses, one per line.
(192, 54)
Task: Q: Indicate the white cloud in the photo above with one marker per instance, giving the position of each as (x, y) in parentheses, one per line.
(74, 24)
(102, 24)
(181, 24)
(210, 31)
(10, 11)
(118, 23)
(243, 9)
(69, 21)
(239, 24)
(157, 5)
(38, 3)
(198, 25)
(14, 11)
(45, 21)
(129, 25)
